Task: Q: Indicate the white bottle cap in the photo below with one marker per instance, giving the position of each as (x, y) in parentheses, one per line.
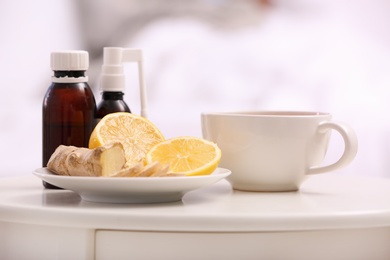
(69, 61)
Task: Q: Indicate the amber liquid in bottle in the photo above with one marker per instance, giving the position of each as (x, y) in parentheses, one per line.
(68, 115)
(111, 102)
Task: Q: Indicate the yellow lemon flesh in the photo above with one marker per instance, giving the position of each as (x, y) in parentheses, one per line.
(186, 155)
(137, 135)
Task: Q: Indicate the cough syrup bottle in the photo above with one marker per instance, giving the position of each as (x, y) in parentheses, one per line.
(69, 107)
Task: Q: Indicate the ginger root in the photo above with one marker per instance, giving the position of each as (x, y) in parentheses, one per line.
(103, 161)
(76, 161)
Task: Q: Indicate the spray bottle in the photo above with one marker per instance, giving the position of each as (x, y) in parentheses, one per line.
(112, 81)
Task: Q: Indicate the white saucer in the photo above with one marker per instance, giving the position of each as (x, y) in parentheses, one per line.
(131, 190)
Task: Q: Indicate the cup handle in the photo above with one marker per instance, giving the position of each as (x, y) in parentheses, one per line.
(350, 148)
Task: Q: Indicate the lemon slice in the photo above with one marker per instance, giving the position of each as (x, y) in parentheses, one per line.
(186, 155)
(137, 135)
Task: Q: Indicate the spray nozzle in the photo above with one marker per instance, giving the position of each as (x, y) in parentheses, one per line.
(113, 77)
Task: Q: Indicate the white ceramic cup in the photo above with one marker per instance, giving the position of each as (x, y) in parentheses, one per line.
(275, 150)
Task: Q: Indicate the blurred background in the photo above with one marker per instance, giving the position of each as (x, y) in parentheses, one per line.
(207, 55)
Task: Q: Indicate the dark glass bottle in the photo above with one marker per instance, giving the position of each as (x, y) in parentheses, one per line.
(69, 107)
(112, 101)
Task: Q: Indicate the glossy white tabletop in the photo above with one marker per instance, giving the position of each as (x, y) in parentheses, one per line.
(324, 202)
